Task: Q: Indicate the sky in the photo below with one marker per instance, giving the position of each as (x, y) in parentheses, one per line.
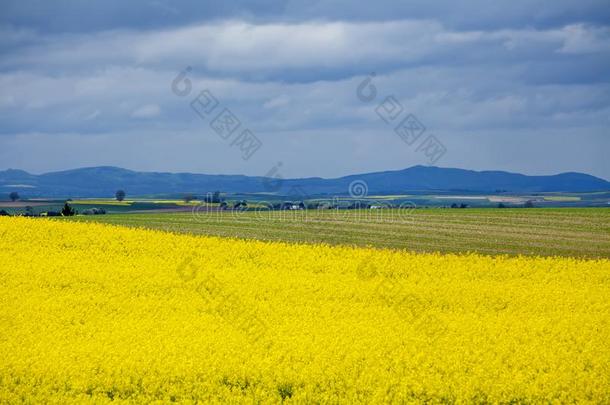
(305, 88)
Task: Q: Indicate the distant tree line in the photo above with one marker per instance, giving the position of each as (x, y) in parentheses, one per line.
(66, 211)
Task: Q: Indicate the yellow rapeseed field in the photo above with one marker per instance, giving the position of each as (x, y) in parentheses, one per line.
(97, 313)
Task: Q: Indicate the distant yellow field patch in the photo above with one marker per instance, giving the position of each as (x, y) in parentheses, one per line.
(93, 313)
(177, 202)
(506, 199)
(388, 197)
(562, 198)
(101, 202)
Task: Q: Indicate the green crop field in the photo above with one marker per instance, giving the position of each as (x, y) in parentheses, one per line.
(579, 232)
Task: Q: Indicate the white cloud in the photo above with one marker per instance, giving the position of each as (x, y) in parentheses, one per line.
(298, 81)
(146, 111)
(92, 116)
(278, 101)
(580, 38)
(232, 47)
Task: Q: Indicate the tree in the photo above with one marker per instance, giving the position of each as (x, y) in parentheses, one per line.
(501, 205)
(188, 198)
(241, 205)
(120, 195)
(67, 211)
(14, 196)
(529, 204)
(213, 198)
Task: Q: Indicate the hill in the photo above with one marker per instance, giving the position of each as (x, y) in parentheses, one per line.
(104, 181)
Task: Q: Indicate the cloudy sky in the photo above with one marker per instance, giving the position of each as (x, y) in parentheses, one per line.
(316, 86)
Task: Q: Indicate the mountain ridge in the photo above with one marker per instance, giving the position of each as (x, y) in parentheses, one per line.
(103, 181)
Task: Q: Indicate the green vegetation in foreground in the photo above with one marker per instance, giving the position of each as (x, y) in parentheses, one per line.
(579, 232)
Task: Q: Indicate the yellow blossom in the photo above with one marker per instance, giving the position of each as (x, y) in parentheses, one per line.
(94, 313)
